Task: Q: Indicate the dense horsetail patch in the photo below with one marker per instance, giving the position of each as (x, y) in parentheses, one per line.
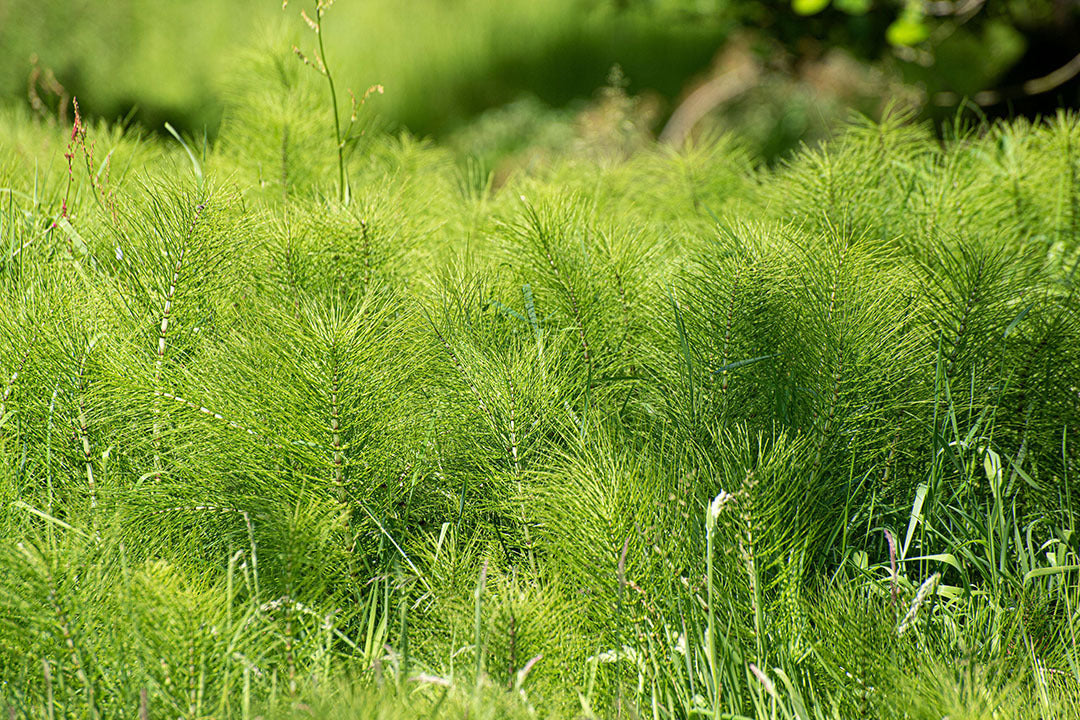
(659, 436)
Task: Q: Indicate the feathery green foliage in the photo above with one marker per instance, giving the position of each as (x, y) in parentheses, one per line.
(663, 436)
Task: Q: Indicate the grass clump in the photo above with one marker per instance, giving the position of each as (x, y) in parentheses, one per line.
(667, 435)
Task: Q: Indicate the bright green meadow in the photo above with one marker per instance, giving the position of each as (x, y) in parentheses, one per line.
(318, 421)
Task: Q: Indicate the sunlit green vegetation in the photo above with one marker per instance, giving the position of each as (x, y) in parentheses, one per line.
(632, 432)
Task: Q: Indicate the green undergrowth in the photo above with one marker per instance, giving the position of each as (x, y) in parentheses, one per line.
(664, 436)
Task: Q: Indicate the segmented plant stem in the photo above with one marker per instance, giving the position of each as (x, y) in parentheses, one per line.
(579, 322)
(335, 436)
(365, 246)
(969, 307)
(49, 700)
(624, 304)
(86, 455)
(834, 402)
(823, 430)
(517, 470)
(513, 427)
(290, 652)
(205, 411)
(893, 443)
(68, 635)
(511, 664)
(749, 556)
(166, 316)
(465, 376)
(338, 141)
(727, 334)
(160, 361)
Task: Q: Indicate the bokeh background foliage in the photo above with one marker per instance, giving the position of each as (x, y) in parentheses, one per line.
(446, 63)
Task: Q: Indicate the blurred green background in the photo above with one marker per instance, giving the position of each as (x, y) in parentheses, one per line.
(494, 76)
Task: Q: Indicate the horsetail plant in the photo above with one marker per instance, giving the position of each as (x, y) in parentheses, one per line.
(266, 452)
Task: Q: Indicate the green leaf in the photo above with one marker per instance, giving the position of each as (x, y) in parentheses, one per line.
(797, 703)
(196, 168)
(916, 515)
(77, 243)
(992, 467)
(809, 7)
(947, 558)
(1043, 571)
(743, 363)
(1017, 319)
(48, 518)
(907, 30)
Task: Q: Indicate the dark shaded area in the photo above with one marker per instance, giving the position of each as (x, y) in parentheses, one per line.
(128, 111)
(665, 49)
(1049, 48)
(655, 58)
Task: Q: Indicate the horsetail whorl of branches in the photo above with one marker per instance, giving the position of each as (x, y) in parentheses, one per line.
(361, 433)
